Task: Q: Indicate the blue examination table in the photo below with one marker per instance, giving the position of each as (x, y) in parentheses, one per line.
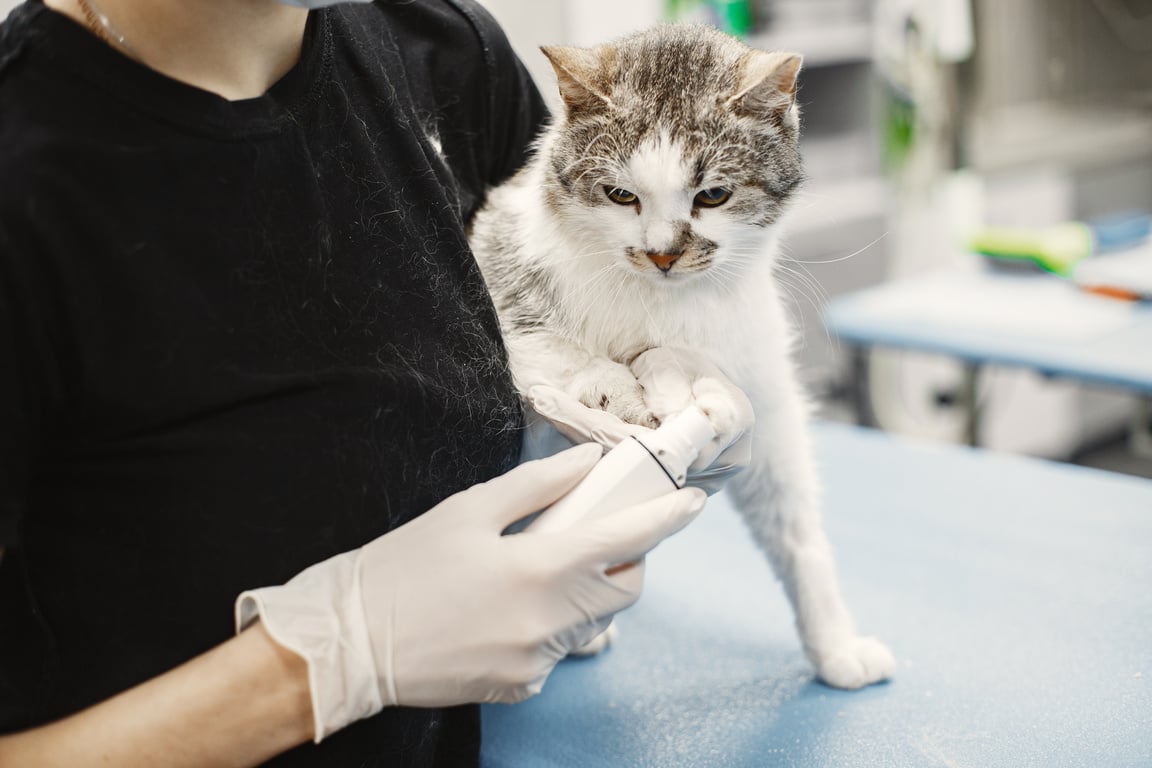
(1016, 595)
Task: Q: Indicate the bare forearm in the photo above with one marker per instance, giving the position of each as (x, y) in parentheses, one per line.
(237, 705)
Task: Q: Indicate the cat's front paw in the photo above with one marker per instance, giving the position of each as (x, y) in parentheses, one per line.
(611, 387)
(856, 663)
(726, 407)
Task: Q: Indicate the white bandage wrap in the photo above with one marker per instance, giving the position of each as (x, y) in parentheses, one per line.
(319, 616)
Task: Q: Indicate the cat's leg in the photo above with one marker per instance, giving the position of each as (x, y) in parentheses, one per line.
(594, 380)
(778, 495)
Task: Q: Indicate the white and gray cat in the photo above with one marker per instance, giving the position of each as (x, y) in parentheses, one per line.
(648, 217)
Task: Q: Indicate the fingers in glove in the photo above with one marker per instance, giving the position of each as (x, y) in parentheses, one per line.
(628, 535)
(628, 581)
(578, 422)
(534, 485)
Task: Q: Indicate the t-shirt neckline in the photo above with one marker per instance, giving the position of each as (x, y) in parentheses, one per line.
(72, 45)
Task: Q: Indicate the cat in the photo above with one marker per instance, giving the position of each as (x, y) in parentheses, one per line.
(648, 216)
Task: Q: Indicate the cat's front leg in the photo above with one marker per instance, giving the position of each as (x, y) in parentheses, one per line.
(779, 497)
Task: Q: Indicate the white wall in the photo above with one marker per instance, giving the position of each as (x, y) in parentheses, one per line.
(7, 5)
(530, 24)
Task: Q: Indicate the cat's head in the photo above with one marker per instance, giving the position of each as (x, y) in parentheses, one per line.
(678, 148)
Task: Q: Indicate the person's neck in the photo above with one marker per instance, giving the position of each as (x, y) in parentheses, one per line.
(234, 48)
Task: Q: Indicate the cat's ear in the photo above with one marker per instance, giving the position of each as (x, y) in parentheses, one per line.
(584, 76)
(766, 85)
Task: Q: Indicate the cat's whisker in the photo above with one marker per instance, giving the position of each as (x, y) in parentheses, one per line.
(806, 284)
(597, 276)
(584, 252)
(590, 158)
(727, 287)
(817, 303)
(604, 179)
(614, 145)
(610, 169)
(790, 292)
(797, 268)
(796, 293)
(838, 259)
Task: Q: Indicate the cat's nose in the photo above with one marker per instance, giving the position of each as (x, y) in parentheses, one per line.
(663, 261)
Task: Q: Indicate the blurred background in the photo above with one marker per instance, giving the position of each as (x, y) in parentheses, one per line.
(928, 126)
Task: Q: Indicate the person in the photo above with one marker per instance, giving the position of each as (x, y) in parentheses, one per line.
(247, 353)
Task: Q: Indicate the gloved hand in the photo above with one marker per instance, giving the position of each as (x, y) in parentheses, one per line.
(673, 379)
(445, 610)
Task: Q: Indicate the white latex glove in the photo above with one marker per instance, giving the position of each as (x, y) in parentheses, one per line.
(673, 379)
(445, 610)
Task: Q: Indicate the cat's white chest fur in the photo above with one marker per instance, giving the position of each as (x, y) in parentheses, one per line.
(607, 309)
(731, 323)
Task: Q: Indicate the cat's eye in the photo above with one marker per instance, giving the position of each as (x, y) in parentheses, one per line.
(621, 196)
(710, 198)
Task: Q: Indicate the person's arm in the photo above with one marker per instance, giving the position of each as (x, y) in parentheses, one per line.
(441, 611)
(239, 704)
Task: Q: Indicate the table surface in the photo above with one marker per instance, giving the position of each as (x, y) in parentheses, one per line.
(1014, 592)
(1036, 321)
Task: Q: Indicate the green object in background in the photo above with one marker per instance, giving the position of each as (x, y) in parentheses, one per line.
(732, 16)
(1056, 249)
(899, 130)
(675, 10)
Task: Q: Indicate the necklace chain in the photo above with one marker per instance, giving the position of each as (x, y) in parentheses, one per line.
(100, 25)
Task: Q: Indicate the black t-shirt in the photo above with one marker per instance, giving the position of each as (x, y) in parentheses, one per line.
(237, 338)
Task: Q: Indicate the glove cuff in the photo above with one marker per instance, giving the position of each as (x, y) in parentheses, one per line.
(318, 615)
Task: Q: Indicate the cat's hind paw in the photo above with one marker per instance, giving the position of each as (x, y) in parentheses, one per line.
(856, 663)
